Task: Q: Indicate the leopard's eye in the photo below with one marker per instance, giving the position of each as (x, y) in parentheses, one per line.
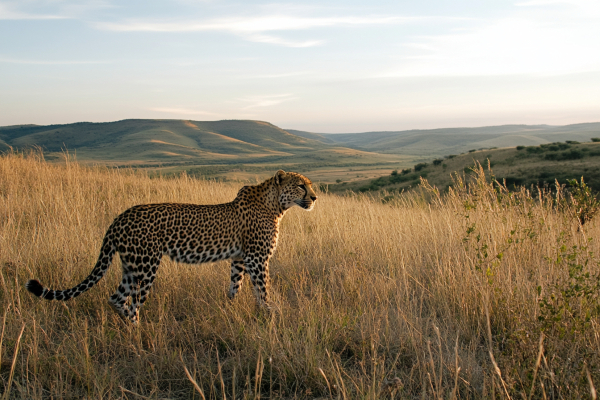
(302, 186)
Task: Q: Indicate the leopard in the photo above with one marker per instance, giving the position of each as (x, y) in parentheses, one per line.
(245, 231)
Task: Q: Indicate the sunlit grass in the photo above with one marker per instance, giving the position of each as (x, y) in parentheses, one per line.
(374, 299)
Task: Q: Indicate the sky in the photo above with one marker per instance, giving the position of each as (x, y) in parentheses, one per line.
(320, 66)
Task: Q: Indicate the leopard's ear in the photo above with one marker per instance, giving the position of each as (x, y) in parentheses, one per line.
(279, 176)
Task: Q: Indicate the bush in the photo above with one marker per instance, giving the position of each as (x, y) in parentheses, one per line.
(420, 166)
(534, 149)
(595, 139)
(572, 142)
(451, 156)
(406, 171)
(520, 147)
(438, 161)
(514, 181)
(583, 202)
(572, 154)
(472, 151)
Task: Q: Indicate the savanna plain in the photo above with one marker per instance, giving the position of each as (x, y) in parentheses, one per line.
(476, 293)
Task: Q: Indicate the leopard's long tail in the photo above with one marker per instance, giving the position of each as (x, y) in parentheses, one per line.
(104, 261)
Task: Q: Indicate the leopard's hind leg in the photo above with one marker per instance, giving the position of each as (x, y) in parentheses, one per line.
(120, 298)
(143, 279)
(237, 277)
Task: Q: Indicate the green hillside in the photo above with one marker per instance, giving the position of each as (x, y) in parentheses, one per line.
(438, 142)
(247, 150)
(173, 142)
(520, 166)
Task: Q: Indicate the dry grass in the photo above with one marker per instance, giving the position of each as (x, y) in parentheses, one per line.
(404, 300)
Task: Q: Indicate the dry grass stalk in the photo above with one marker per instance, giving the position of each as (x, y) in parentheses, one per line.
(592, 388)
(361, 288)
(191, 378)
(12, 367)
(537, 365)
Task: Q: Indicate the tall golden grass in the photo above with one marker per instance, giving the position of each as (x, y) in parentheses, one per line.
(424, 297)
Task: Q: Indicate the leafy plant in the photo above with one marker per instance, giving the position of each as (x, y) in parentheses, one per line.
(574, 300)
(420, 166)
(583, 203)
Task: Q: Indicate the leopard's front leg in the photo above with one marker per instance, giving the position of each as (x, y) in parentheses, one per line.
(257, 266)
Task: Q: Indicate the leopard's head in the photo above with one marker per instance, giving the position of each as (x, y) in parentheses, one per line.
(295, 190)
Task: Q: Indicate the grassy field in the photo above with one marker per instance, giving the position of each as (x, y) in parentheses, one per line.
(320, 172)
(244, 150)
(480, 293)
(519, 166)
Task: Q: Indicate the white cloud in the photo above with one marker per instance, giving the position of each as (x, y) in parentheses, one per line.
(283, 42)
(531, 41)
(250, 28)
(49, 9)
(245, 25)
(265, 100)
(50, 62)
(11, 13)
(281, 75)
(535, 3)
(183, 111)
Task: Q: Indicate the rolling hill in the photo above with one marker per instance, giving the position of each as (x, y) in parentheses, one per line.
(139, 142)
(439, 142)
(245, 149)
(517, 166)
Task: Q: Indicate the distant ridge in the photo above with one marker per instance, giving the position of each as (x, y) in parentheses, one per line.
(187, 142)
(143, 141)
(438, 142)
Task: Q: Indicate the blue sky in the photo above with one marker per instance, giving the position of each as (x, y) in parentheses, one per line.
(322, 66)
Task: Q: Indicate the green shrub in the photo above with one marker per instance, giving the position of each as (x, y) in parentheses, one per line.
(514, 181)
(420, 166)
(582, 202)
(572, 154)
(534, 149)
(574, 301)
